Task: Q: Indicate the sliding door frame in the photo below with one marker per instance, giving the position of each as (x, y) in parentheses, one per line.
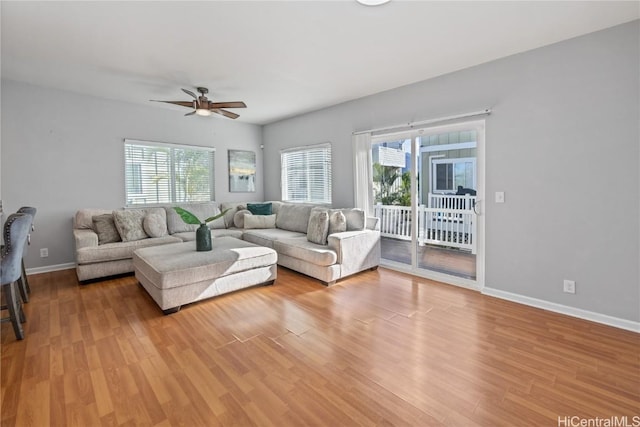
(414, 134)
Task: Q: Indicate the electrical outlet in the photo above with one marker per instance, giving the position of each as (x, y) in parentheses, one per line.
(44, 252)
(569, 287)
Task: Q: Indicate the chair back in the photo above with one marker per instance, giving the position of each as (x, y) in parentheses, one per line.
(15, 233)
(29, 211)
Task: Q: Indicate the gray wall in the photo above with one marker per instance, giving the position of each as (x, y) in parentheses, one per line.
(63, 151)
(562, 143)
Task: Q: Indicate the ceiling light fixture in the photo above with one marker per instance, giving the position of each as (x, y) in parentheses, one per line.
(373, 2)
(203, 112)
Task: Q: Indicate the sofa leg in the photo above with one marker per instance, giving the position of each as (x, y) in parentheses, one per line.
(171, 310)
(333, 282)
(374, 268)
(269, 283)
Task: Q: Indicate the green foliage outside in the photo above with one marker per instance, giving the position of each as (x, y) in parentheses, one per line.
(193, 182)
(191, 177)
(385, 188)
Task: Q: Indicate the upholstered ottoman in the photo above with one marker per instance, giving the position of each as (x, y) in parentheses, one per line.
(177, 274)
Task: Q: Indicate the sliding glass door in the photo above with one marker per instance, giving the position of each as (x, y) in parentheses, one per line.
(392, 190)
(427, 188)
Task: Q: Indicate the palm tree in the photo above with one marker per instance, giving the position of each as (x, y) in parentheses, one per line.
(385, 177)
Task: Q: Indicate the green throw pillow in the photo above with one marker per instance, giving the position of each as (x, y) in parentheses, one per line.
(260, 208)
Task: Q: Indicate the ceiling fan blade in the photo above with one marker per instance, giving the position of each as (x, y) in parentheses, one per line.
(225, 113)
(188, 92)
(188, 104)
(236, 104)
(191, 113)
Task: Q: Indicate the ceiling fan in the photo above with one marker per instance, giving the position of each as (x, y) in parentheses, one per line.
(203, 107)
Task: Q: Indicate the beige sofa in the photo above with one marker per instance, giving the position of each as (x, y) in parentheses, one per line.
(344, 252)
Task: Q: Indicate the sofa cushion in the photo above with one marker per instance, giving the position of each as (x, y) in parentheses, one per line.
(83, 219)
(155, 225)
(266, 236)
(202, 211)
(301, 248)
(120, 250)
(318, 227)
(337, 221)
(275, 206)
(355, 219)
(238, 218)
(293, 217)
(129, 223)
(106, 229)
(217, 223)
(231, 208)
(259, 221)
(260, 208)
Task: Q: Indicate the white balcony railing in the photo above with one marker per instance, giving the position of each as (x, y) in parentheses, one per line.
(451, 201)
(436, 225)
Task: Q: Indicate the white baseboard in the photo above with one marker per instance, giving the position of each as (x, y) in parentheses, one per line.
(49, 268)
(629, 325)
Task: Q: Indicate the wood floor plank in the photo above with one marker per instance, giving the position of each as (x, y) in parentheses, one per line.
(379, 348)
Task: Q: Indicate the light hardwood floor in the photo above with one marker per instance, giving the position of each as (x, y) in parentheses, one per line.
(380, 348)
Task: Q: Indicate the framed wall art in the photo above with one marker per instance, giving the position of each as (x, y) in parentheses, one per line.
(242, 171)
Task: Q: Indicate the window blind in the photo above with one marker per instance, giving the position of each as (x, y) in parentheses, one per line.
(306, 174)
(166, 173)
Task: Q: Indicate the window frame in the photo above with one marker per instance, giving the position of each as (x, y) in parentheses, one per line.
(452, 162)
(171, 170)
(325, 165)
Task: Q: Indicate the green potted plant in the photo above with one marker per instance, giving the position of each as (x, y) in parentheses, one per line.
(203, 234)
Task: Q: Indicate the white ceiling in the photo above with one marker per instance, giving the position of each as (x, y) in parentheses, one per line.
(282, 58)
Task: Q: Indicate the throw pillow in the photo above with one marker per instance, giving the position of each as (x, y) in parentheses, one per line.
(130, 224)
(260, 208)
(318, 227)
(84, 217)
(337, 222)
(259, 221)
(154, 225)
(238, 218)
(231, 208)
(355, 219)
(106, 229)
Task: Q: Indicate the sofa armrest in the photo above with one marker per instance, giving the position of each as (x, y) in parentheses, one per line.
(356, 250)
(85, 238)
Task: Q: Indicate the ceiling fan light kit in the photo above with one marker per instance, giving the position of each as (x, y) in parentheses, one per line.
(203, 112)
(373, 2)
(203, 107)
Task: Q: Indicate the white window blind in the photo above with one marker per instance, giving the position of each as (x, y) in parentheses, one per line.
(166, 173)
(306, 174)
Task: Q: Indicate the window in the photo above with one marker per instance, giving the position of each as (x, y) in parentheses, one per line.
(448, 174)
(165, 173)
(306, 174)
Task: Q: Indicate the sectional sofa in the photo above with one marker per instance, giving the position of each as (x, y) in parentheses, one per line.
(327, 244)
